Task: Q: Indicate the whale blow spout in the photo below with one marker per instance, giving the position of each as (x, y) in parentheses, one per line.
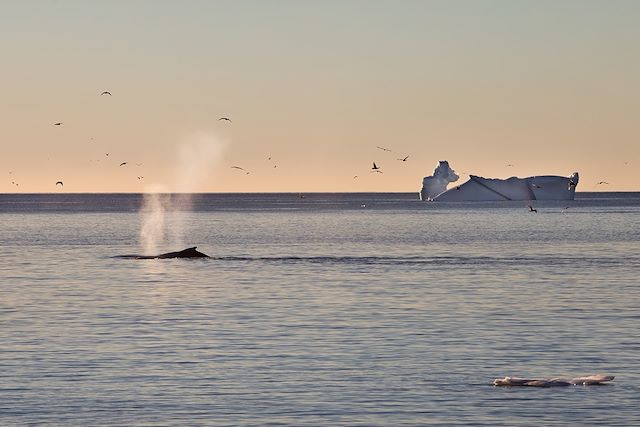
(185, 253)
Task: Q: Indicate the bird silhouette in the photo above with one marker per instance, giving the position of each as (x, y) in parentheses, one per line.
(123, 163)
(106, 93)
(239, 168)
(58, 124)
(140, 177)
(383, 149)
(531, 209)
(602, 182)
(225, 118)
(404, 159)
(61, 183)
(375, 168)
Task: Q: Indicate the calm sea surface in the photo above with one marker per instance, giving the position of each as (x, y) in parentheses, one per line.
(332, 309)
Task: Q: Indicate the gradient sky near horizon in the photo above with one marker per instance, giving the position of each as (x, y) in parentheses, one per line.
(550, 87)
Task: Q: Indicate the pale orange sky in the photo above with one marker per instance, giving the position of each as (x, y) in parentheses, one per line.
(550, 87)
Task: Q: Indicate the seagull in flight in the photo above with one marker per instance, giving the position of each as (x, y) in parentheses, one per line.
(61, 183)
(404, 159)
(57, 124)
(239, 168)
(375, 168)
(140, 177)
(225, 118)
(602, 182)
(531, 209)
(106, 93)
(123, 163)
(383, 149)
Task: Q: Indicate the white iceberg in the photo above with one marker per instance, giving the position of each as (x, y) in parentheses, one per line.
(437, 183)
(477, 188)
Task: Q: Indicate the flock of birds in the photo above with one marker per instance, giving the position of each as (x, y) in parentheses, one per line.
(375, 168)
(139, 177)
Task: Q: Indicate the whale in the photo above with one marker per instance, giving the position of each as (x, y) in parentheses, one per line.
(185, 253)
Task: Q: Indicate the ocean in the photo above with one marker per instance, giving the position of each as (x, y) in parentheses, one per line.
(369, 309)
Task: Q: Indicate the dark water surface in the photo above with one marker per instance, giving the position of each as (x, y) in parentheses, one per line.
(318, 311)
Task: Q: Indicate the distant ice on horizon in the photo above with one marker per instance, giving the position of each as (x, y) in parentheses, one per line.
(437, 183)
(541, 187)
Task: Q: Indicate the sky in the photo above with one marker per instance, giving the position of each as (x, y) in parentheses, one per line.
(312, 88)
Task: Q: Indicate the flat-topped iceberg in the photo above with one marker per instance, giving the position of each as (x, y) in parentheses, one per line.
(477, 188)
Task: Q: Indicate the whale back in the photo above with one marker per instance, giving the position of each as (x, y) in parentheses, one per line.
(185, 253)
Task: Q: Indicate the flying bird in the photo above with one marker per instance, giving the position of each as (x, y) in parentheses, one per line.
(57, 124)
(106, 154)
(383, 149)
(375, 168)
(239, 168)
(140, 177)
(225, 118)
(531, 209)
(123, 163)
(355, 176)
(404, 159)
(106, 93)
(602, 182)
(509, 165)
(61, 183)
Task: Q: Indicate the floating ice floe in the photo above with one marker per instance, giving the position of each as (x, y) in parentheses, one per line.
(552, 382)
